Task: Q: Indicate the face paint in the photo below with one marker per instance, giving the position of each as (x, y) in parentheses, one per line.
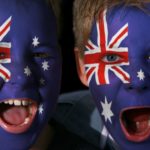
(117, 67)
(102, 57)
(30, 70)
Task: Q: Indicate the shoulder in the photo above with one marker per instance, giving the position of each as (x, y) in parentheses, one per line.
(78, 122)
(76, 111)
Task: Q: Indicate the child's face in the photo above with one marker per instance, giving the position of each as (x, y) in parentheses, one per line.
(30, 70)
(117, 62)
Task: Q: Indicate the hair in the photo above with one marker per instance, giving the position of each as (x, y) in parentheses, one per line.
(55, 5)
(86, 11)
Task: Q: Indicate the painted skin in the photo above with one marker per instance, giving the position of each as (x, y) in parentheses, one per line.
(122, 96)
(34, 70)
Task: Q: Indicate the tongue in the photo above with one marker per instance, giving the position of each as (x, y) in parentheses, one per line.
(15, 115)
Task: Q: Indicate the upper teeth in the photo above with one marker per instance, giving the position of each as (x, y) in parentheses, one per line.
(17, 102)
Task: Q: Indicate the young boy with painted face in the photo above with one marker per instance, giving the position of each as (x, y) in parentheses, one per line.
(30, 70)
(113, 59)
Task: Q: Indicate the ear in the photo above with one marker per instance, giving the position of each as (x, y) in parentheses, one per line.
(80, 66)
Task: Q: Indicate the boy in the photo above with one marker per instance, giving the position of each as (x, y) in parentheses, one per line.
(112, 55)
(30, 71)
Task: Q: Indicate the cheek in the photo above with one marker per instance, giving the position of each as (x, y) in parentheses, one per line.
(51, 81)
(48, 71)
(111, 91)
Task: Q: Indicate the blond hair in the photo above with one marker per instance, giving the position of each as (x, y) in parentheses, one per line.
(85, 11)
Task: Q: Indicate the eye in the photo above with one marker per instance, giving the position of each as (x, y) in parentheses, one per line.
(41, 55)
(111, 58)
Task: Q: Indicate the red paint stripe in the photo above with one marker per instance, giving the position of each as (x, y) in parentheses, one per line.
(92, 58)
(101, 74)
(89, 72)
(119, 36)
(5, 74)
(102, 34)
(121, 73)
(89, 46)
(5, 28)
(4, 52)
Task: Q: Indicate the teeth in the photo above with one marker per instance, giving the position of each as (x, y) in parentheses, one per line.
(27, 120)
(10, 102)
(137, 124)
(17, 102)
(6, 102)
(25, 103)
(149, 122)
(30, 110)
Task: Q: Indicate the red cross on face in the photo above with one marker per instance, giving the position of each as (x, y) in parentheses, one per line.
(5, 50)
(96, 55)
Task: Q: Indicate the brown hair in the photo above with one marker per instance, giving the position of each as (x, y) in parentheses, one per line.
(56, 7)
(85, 11)
(55, 4)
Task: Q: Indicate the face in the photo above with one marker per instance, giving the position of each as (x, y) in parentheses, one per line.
(30, 70)
(117, 67)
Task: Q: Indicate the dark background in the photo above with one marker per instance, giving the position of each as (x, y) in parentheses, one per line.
(70, 80)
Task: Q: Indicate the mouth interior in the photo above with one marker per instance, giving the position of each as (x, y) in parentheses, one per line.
(14, 115)
(136, 122)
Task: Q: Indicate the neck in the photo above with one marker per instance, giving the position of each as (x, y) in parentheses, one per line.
(44, 139)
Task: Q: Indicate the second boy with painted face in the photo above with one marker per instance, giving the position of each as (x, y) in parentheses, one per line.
(112, 54)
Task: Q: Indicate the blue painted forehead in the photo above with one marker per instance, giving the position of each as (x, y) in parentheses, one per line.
(123, 14)
(29, 16)
(23, 7)
(137, 19)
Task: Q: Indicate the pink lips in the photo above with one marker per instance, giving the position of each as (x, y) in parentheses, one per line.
(17, 115)
(135, 123)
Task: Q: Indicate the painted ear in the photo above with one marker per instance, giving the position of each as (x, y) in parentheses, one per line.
(80, 67)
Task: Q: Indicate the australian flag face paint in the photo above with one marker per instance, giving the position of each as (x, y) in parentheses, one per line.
(117, 63)
(30, 70)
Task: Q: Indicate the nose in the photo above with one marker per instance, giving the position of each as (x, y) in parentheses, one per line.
(137, 86)
(18, 80)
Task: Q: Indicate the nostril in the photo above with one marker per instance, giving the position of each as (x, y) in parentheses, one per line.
(140, 88)
(130, 88)
(12, 82)
(136, 87)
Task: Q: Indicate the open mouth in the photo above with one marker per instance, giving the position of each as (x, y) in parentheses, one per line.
(135, 123)
(17, 115)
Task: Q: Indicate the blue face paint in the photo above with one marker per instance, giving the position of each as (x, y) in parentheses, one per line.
(30, 70)
(117, 63)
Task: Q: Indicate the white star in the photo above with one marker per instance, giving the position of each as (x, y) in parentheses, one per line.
(41, 109)
(35, 41)
(27, 71)
(45, 65)
(140, 75)
(42, 81)
(107, 113)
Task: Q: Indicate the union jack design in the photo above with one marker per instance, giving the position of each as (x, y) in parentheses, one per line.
(96, 50)
(5, 50)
